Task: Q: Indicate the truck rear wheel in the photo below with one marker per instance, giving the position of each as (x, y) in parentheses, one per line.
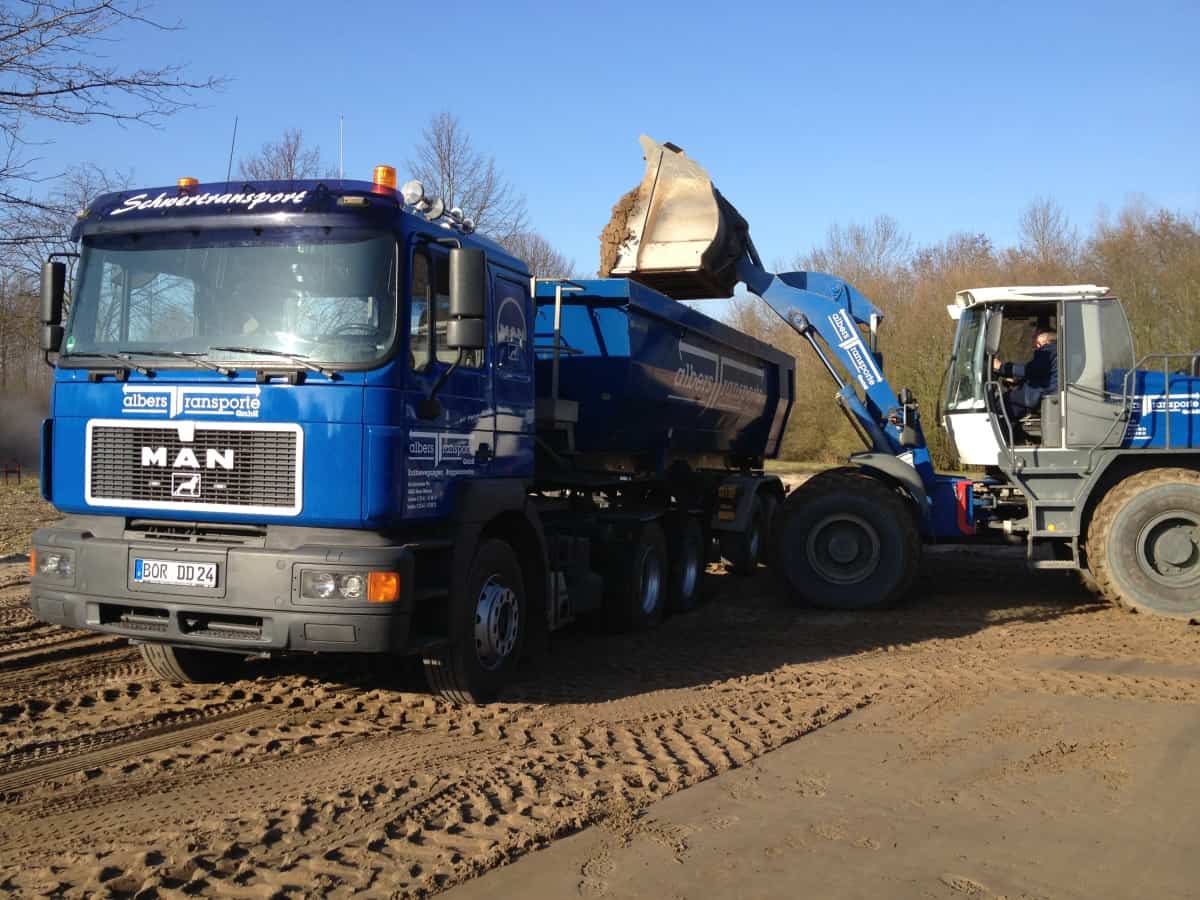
(744, 549)
(1143, 543)
(686, 539)
(635, 583)
(491, 616)
(845, 540)
(185, 665)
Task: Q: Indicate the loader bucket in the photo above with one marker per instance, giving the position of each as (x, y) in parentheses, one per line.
(675, 232)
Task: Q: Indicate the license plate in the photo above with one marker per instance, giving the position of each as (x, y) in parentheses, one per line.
(181, 574)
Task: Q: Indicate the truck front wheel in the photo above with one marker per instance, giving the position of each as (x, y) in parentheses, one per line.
(491, 615)
(1143, 543)
(845, 540)
(184, 665)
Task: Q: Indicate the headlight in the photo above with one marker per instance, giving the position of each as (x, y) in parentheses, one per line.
(333, 586)
(58, 564)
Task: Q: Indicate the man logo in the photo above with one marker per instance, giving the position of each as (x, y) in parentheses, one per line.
(186, 458)
(184, 485)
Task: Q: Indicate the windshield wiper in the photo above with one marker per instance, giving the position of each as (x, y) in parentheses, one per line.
(195, 357)
(125, 362)
(297, 358)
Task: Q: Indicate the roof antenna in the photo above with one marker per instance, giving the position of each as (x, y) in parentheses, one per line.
(232, 144)
(341, 146)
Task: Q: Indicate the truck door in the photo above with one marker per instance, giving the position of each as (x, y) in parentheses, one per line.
(513, 372)
(459, 442)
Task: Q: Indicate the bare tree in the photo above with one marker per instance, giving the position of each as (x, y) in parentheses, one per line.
(539, 254)
(53, 67)
(286, 159)
(1049, 242)
(30, 232)
(450, 167)
(874, 257)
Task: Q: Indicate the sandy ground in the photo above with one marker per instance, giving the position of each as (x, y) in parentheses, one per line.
(1002, 735)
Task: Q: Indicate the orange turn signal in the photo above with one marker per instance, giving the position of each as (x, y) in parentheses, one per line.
(383, 587)
(32, 563)
(385, 178)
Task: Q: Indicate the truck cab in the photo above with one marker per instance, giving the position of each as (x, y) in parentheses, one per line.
(262, 397)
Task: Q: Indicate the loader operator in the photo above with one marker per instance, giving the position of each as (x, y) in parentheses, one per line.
(1035, 378)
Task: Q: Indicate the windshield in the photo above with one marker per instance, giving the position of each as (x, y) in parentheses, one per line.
(964, 389)
(324, 294)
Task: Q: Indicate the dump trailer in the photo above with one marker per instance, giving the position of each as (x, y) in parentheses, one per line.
(1101, 475)
(327, 417)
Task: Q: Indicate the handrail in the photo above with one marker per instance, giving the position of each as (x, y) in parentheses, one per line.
(1191, 370)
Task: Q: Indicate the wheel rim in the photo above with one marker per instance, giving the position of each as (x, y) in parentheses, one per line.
(844, 549)
(1168, 548)
(497, 623)
(651, 584)
(691, 569)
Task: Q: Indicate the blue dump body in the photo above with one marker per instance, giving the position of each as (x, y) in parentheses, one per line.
(1165, 409)
(653, 376)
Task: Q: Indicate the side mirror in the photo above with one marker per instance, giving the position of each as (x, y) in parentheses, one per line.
(468, 283)
(465, 334)
(991, 337)
(54, 282)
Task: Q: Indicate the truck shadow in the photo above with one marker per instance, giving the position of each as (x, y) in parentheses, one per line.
(750, 627)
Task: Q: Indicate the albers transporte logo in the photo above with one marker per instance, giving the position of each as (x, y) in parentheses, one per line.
(176, 400)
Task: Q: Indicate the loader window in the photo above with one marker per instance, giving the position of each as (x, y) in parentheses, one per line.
(964, 389)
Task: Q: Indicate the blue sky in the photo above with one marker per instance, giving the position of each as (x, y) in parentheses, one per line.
(949, 117)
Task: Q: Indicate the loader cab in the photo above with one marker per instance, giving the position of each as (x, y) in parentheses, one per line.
(1094, 350)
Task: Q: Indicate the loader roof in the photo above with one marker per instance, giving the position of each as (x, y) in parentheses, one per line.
(1028, 294)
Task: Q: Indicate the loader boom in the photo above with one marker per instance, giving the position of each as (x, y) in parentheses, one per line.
(823, 306)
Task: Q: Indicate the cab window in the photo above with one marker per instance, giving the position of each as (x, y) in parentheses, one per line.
(431, 303)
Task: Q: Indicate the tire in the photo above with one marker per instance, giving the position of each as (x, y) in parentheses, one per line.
(635, 583)
(187, 665)
(491, 617)
(847, 541)
(1143, 543)
(1087, 581)
(771, 503)
(687, 552)
(744, 549)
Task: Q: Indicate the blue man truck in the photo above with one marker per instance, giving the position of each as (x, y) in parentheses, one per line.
(328, 417)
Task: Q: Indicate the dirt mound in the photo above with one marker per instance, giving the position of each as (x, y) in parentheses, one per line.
(617, 231)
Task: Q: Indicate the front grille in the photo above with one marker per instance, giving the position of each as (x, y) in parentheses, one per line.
(263, 474)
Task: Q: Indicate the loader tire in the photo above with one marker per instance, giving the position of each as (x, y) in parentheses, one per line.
(1143, 543)
(187, 665)
(846, 540)
(744, 549)
(492, 614)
